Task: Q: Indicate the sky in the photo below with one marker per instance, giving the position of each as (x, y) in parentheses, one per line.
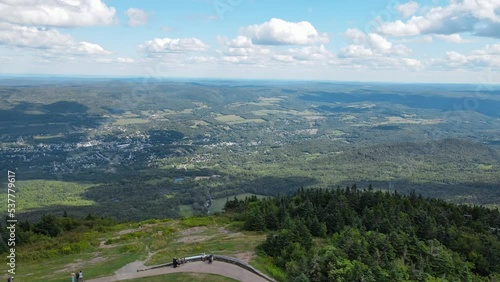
(444, 41)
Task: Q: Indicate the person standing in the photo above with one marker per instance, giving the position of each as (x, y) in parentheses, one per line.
(80, 276)
(73, 277)
(175, 263)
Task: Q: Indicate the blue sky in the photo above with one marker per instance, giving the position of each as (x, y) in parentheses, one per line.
(397, 41)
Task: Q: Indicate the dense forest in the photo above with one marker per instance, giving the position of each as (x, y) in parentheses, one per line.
(365, 235)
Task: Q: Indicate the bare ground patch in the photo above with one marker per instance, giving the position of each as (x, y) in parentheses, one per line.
(79, 264)
(193, 230)
(245, 256)
(193, 239)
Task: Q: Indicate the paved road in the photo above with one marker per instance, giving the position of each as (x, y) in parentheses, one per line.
(217, 267)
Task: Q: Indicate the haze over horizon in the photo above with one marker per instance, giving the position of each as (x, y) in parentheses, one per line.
(453, 41)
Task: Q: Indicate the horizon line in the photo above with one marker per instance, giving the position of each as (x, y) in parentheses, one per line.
(171, 78)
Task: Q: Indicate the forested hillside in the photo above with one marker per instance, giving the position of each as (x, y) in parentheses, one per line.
(353, 235)
(313, 235)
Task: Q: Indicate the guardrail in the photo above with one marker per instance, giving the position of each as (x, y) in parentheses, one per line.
(187, 259)
(220, 258)
(242, 264)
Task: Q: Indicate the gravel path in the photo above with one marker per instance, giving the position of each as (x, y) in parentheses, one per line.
(217, 267)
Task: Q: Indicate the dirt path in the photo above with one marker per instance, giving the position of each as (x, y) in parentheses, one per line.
(217, 267)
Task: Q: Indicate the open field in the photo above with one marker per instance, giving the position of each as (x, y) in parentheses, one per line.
(35, 194)
(45, 137)
(127, 121)
(234, 119)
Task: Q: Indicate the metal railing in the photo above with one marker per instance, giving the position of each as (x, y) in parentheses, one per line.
(220, 258)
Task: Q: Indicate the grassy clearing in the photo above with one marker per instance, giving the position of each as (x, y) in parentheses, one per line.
(186, 210)
(213, 238)
(310, 157)
(265, 264)
(234, 119)
(305, 113)
(401, 120)
(266, 102)
(230, 118)
(348, 118)
(46, 137)
(486, 167)
(44, 193)
(198, 123)
(336, 132)
(168, 111)
(186, 111)
(157, 181)
(256, 120)
(94, 262)
(130, 115)
(181, 277)
(126, 243)
(263, 112)
(127, 121)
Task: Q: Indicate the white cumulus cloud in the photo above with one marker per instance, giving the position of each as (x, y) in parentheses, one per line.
(488, 56)
(46, 40)
(173, 45)
(479, 17)
(372, 44)
(125, 60)
(356, 51)
(280, 32)
(136, 17)
(238, 42)
(62, 13)
(408, 9)
(452, 38)
(355, 35)
(121, 60)
(311, 53)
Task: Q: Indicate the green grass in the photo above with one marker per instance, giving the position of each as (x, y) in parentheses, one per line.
(230, 118)
(265, 264)
(197, 221)
(34, 194)
(281, 112)
(234, 119)
(209, 239)
(266, 102)
(181, 277)
(95, 262)
(125, 244)
(126, 121)
(157, 181)
(311, 157)
(186, 210)
(256, 120)
(186, 111)
(336, 132)
(46, 137)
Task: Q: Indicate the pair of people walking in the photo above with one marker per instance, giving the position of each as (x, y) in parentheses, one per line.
(204, 257)
(78, 276)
